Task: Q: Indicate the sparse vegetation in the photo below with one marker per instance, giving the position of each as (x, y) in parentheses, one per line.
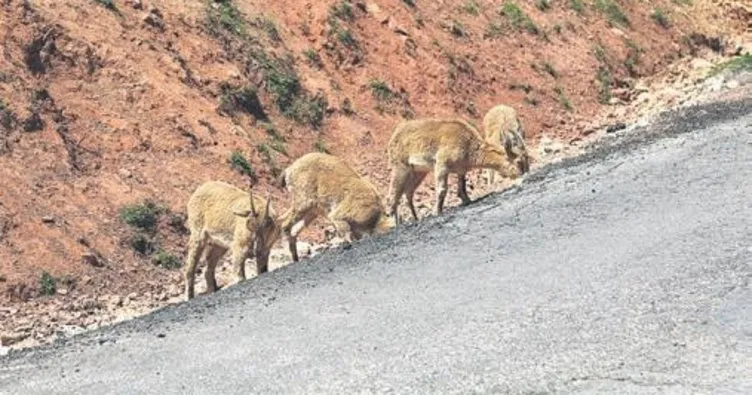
(177, 223)
(532, 101)
(342, 10)
(633, 57)
(346, 37)
(47, 284)
(577, 6)
(7, 117)
(518, 19)
(410, 3)
(241, 164)
(613, 12)
(543, 5)
(660, 18)
(269, 27)
(562, 98)
(740, 63)
(143, 215)
(266, 155)
(381, 90)
(166, 260)
(320, 146)
(471, 7)
(604, 85)
(457, 29)
(683, 2)
(109, 4)
(232, 100)
(549, 69)
(142, 244)
(600, 54)
(527, 88)
(224, 16)
(347, 107)
(313, 58)
(557, 28)
(494, 29)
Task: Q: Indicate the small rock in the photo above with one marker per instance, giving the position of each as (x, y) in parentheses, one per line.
(135, 4)
(614, 101)
(13, 338)
(400, 30)
(641, 88)
(48, 219)
(699, 63)
(4, 351)
(154, 18)
(91, 259)
(733, 84)
(125, 173)
(62, 291)
(616, 127)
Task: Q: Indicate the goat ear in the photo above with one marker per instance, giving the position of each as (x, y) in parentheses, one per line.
(241, 212)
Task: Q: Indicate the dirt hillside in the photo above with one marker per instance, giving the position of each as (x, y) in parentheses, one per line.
(113, 111)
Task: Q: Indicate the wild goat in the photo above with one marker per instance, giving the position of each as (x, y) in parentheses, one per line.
(502, 128)
(222, 217)
(443, 146)
(323, 184)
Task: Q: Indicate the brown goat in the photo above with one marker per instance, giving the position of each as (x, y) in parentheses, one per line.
(443, 146)
(222, 217)
(502, 128)
(324, 185)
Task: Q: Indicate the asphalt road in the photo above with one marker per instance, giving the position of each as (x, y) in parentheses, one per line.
(624, 271)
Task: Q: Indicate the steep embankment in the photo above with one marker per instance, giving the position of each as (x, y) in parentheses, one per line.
(107, 103)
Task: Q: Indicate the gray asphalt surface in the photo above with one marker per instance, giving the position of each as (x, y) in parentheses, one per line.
(624, 271)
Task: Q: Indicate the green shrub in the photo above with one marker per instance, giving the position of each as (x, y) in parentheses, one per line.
(518, 19)
(577, 6)
(143, 215)
(604, 82)
(660, 18)
(740, 63)
(563, 99)
(246, 99)
(224, 17)
(269, 27)
(342, 10)
(613, 12)
(241, 164)
(47, 284)
(313, 58)
(142, 244)
(471, 7)
(381, 90)
(166, 260)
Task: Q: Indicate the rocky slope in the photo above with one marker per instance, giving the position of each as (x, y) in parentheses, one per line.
(113, 111)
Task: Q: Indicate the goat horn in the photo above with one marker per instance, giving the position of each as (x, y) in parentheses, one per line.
(268, 204)
(253, 207)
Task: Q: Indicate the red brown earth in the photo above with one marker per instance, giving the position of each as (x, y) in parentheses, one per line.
(127, 106)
